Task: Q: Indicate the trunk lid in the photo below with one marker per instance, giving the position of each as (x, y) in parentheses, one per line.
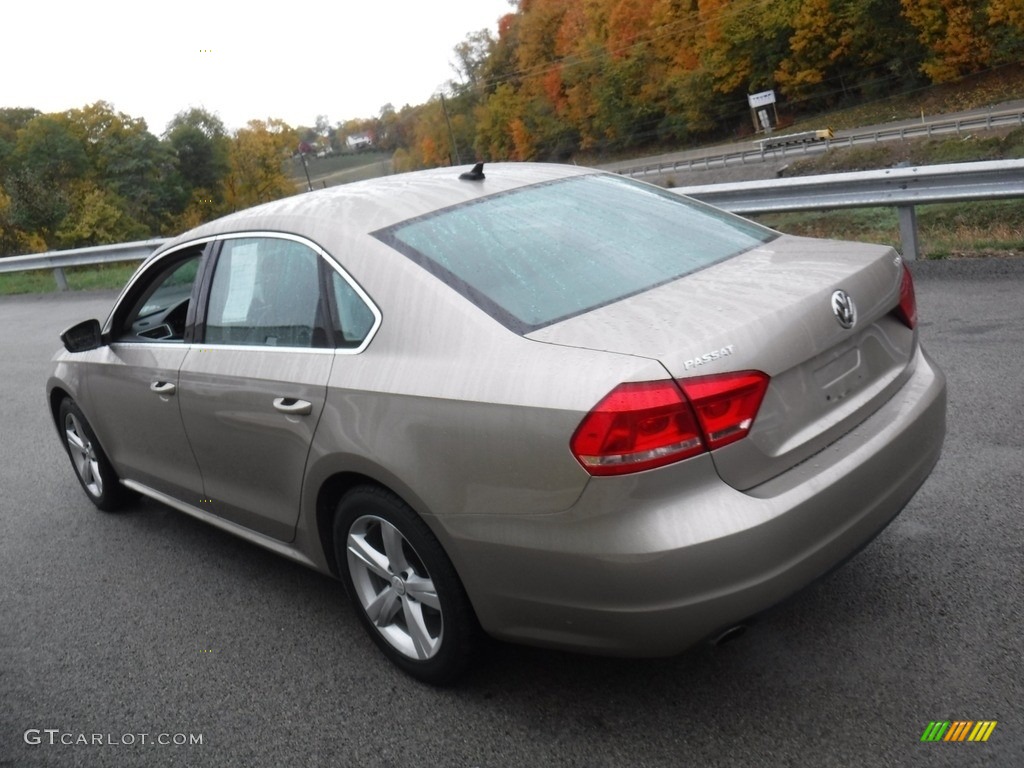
(771, 309)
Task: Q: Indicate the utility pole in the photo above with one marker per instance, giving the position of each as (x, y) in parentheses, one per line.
(309, 184)
(451, 136)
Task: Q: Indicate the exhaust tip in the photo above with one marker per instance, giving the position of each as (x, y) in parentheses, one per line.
(732, 633)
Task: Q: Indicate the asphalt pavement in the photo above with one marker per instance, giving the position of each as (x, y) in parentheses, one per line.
(147, 638)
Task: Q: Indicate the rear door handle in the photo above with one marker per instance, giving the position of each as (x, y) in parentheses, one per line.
(163, 387)
(292, 407)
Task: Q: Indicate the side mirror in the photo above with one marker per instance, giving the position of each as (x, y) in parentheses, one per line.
(83, 336)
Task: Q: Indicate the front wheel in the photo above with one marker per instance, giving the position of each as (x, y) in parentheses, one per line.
(92, 467)
(404, 587)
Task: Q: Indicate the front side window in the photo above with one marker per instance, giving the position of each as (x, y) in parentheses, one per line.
(160, 308)
(265, 292)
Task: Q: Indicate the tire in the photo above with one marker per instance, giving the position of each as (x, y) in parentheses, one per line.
(92, 468)
(403, 586)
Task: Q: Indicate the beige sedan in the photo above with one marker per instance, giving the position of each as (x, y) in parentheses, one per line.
(543, 402)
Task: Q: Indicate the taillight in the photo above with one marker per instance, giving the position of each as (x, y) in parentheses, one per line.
(726, 404)
(637, 426)
(643, 425)
(906, 310)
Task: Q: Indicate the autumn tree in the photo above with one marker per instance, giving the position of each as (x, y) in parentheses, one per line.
(257, 154)
(96, 215)
(1006, 28)
(395, 129)
(954, 34)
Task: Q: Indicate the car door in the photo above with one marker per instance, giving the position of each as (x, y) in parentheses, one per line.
(253, 389)
(130, 389)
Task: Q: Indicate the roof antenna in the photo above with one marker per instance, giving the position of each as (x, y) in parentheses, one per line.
(477, 174)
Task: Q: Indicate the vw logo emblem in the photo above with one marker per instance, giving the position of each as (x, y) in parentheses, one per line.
(844, 309)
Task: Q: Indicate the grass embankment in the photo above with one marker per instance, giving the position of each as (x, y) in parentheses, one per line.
(87, 278)
(339, 169)
(995, 86)
(949, 230)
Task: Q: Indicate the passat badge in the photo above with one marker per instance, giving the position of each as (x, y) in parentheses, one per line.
(844, 309)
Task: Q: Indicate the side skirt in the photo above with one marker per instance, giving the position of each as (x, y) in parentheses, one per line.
(275, 546)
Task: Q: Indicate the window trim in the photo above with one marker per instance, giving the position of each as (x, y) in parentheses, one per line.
(196, 322)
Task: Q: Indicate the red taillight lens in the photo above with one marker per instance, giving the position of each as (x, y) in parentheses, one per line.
(644, 425)
(726, 404)
(637, 426)
(906, 310)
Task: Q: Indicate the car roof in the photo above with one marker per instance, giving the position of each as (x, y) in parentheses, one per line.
(366, 206)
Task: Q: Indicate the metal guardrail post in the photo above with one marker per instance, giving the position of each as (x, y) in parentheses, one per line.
(61, 278)
(908, 231)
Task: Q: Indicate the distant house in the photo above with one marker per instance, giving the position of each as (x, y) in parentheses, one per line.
(358, 141)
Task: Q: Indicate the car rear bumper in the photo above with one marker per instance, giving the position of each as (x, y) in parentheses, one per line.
(638, 568)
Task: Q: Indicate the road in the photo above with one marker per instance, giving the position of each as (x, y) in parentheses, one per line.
(148, 625)
(743, 160)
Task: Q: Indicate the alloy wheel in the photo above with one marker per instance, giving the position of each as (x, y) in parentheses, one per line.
(83, 455)
(394, 588)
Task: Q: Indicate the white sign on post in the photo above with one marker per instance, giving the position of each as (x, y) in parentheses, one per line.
(762, 99)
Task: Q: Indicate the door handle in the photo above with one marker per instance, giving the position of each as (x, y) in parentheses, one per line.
(292, 407)
(163, 387)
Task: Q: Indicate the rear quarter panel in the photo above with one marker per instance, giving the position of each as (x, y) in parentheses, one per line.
(455, 412)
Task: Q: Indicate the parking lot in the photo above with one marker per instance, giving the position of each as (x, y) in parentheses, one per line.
(176, 644)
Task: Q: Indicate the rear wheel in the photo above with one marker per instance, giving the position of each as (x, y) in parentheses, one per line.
(404, 588)
(92, 467)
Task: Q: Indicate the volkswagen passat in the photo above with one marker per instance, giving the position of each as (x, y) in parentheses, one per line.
(559, 405)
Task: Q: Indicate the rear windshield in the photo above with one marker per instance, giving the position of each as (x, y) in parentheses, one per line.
(540, 254)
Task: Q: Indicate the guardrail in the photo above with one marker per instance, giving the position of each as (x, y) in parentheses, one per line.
(902, 188)
(758, 154)
(97, 254)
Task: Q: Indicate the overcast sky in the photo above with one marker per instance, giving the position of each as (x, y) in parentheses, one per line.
(242, 60)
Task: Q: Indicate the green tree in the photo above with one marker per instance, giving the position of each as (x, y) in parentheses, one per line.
(201, 147)
(495, 120)
(131, 164)
(48, 156)
(51, 148)
(12, 120)
(472, 64)
(36, 207)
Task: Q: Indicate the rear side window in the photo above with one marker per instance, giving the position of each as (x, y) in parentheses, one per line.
(355, 320)
(540, 254)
